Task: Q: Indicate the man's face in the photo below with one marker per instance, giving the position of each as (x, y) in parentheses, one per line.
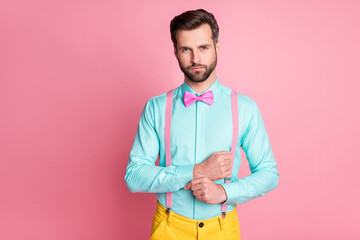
(196, 53)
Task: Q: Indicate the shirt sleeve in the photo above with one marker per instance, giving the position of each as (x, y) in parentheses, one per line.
(264, 176)
(141, 173)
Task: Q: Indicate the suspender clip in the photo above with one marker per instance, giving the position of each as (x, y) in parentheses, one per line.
(223, 215)
(168, 211)
(228, 179)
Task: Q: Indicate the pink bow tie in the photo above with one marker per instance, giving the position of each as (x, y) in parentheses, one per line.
(190, 98)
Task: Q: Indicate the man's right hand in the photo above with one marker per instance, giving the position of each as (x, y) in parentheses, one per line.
(215, 167)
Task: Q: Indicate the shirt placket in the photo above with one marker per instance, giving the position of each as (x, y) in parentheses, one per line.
(198, 146)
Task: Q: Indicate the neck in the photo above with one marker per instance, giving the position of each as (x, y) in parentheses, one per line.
(200, 87)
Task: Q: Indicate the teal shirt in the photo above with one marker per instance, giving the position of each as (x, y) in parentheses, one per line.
(197, 131)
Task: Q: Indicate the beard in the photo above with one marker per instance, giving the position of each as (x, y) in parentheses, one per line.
(198, 76)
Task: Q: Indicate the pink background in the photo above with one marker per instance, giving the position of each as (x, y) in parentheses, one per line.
(75, 75)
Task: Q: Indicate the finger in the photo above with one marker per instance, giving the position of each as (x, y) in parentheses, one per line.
(196, 187)
(227, 163)
(194, 182)
(197, 180)
(200, 198)
(228, 159)
(198, 193)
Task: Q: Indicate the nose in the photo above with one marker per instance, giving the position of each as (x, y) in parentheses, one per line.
(195, 57)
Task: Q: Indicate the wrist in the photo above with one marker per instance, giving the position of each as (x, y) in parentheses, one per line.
(223, 194)
(197, 173)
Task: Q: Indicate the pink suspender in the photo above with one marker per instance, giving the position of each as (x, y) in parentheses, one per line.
(235, 120)
(168, 113)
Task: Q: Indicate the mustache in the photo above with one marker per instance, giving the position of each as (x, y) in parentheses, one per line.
(197, 65)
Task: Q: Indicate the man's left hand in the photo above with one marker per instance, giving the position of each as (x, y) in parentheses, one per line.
(206, 190)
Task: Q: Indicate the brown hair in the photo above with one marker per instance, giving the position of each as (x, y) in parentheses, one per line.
(191, 20)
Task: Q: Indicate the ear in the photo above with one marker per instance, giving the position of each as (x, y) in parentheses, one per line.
(175, 51)
(217, 47)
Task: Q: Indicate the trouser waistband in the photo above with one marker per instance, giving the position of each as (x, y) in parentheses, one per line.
(174, 217)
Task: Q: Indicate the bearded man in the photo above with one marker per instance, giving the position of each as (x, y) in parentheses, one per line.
(198, 130)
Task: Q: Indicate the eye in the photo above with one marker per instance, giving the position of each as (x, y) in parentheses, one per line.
(204, 47)
(184, 50)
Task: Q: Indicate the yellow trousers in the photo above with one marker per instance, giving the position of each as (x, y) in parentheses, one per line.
(177, 227)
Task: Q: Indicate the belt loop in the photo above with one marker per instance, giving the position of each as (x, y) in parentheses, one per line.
(168, 213)
(221, 223)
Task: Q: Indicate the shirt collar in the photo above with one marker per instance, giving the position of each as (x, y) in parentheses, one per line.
(215, 87)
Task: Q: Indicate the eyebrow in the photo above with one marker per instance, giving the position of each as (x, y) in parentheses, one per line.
(205, 45)
(202, 45)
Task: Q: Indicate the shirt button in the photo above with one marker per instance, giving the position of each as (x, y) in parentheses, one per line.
(201, 224)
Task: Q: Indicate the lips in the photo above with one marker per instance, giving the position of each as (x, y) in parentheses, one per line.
(197, 68)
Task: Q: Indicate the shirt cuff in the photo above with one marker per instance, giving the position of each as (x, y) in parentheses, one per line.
(185, 173)
(228, 190)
